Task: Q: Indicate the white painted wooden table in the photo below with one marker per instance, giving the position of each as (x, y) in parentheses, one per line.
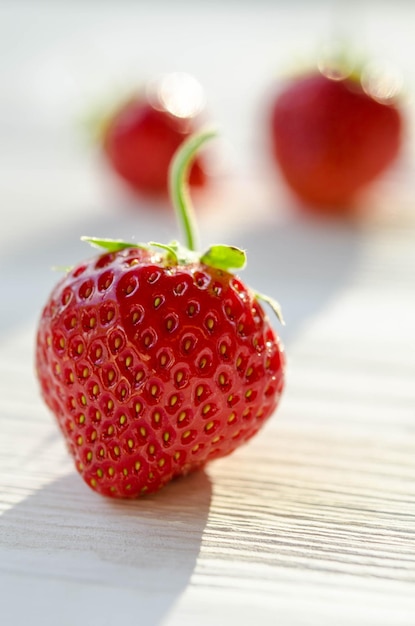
(313, 522)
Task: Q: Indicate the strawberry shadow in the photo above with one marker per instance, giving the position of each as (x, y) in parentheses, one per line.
(71, 554)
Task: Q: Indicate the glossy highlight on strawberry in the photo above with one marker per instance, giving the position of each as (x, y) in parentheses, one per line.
(155, 362)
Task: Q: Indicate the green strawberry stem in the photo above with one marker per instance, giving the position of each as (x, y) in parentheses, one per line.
(178, 187)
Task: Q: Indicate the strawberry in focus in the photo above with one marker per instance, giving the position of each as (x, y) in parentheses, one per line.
(142, 135)
(156, 359)
(332, 135)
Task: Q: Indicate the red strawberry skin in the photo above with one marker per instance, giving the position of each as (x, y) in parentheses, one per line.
(139, 143)
(330, 138)
(152, 369)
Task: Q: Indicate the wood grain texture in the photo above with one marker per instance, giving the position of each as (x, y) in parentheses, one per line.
(313, 522)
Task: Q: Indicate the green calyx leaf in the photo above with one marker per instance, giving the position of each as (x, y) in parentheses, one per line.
(176, 253)
(275, 306)
(112, 245)
(170, 249)
(224, 257)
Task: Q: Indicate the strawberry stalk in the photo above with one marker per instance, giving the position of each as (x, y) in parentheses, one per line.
(179, 192)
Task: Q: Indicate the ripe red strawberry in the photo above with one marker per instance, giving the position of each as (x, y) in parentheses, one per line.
(143, 134)
(155, 360)
(331, 138)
